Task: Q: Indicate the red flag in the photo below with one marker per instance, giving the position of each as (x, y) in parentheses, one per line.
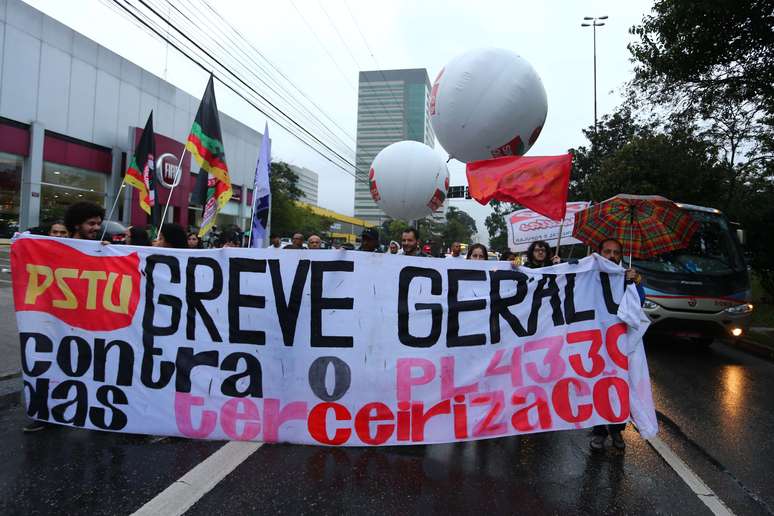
(538, 183)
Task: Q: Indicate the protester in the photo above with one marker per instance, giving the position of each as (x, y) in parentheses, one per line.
(478, 252)
(507, 256)
(193, 240)
(231, 237)
(172, 235)
(612, 250)
(539, 255)
(456, 250)
(369, 240)
(314, 242)
(297, 242)
(83, 220)
(135, 235)
(274, 241)
(58, 229)
(410, 242)
(394, 247)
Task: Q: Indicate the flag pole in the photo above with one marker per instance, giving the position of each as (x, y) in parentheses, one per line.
(115, 202)
(175, 182)
(252, 216)
(559, 238)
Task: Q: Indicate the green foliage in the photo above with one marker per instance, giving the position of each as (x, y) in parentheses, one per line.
(496, 226)
(705, 50)
(287, 216)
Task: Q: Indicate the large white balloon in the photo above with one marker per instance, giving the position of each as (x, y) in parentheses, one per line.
(408, 180)
(487, 103)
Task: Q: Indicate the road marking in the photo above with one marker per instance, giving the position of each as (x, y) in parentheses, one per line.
(188, 489)
(696, 484)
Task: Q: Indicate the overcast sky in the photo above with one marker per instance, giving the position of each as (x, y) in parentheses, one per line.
(401, 34)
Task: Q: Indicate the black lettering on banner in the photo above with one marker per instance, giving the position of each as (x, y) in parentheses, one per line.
(82, 356)
(237, 300)
(150, 330)
(125, 360)
(186, 361)
(407, 274)
(320, 303)
(81, 402)
(571, 316)
(607, 293)
(342, 378)
(42, 345)
(453, 337)
(98, 415)
(499, 306)
(252, 371)
(37, 398)
(194, 298)
(541, 291)
(287, 311)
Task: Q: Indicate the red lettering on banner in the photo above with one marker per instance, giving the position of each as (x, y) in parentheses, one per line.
(562, 404)
(318, 427)
(374, 412)
(492, 423)
(597, 362)
(448, 389)
(183, 404)
(404, 421)
(274, 417)
(520, 418)
(236, 410)
(419, 417)
(602, 400)
(553, 359)
(514, 369)
(460, 410)
(405, 380)
(612, 336)
(87, 292)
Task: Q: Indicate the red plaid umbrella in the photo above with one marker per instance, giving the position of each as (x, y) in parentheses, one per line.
(646, 225)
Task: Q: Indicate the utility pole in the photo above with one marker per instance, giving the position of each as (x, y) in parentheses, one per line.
(595, 22)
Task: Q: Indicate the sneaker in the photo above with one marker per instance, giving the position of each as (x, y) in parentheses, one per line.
(35, 426)
(597, 442)
(618, 440)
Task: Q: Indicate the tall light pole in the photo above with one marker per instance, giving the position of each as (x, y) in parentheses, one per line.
(595, 22)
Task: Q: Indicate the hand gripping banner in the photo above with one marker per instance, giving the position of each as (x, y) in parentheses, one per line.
(324, 347)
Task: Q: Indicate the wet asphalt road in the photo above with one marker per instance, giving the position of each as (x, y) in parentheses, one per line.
(715, 408)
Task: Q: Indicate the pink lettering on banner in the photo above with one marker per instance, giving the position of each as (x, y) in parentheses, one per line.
(405, 380)
(448, 389)
(184, 403)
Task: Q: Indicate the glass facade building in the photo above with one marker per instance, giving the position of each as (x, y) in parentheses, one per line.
(393, 105)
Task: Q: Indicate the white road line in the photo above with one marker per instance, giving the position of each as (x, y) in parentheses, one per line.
(696, 484)
(188, 489)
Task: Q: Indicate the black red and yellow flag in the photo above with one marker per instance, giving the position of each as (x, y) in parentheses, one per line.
(205, 143)
(141, 173)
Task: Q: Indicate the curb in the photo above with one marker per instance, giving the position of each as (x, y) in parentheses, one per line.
(753, 348)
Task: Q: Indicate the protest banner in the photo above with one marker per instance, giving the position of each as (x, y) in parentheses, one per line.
(324, 347)
(525, 226)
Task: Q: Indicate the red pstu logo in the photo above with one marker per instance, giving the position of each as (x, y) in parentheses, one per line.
(88, 292)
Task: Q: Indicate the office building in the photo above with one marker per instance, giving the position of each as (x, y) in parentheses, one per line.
(308, 183)
(392, 106)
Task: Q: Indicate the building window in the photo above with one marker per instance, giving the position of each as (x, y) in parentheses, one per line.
(10, 193)
(62, 186)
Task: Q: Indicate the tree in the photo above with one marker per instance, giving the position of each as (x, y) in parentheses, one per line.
(496, 225)
(705, 50)
(287, 216)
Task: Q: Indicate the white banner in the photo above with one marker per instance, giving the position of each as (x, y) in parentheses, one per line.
(324, 347)
(525, 226)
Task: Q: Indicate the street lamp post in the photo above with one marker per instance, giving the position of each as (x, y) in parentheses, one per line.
(595, 22)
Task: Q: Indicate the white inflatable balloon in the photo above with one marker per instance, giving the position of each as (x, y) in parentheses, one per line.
(408, 180)
(487, 103)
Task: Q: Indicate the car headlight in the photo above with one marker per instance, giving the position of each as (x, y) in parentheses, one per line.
(740, 309)
(649, 305)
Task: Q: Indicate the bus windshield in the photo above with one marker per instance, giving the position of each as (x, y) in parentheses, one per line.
(713, 250)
